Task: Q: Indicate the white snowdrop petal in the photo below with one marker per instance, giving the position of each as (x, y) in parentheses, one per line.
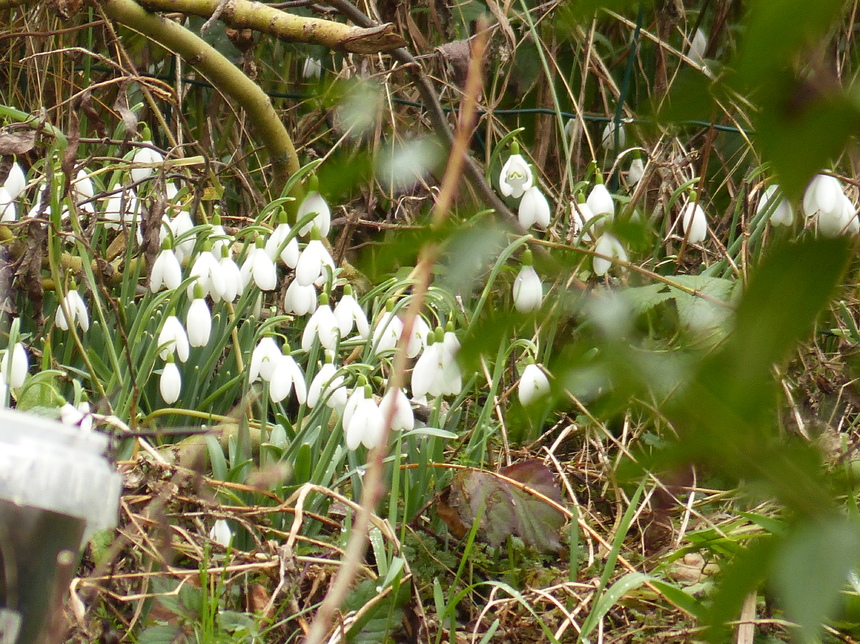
(534, 209)
(170, 383)
(533, 385)
(528, 290)
(694, 223)
(16, 181)
(199, 323)
(516, 177)
(315, 203)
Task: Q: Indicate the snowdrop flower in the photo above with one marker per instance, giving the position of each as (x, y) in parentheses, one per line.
(199, 320)
(528, 288)
(516, 176)
(609, 131)
(580, 215)
(694, 222)
(312, 68)
(15, 369)
(120, 207)
(534, 209)
(533, 385)
(143, 161)
(313, 263)
(783, 214)
(264, 359)
(8, 209)
(636, 171)
(349, 314)
(286, 377)
(300, 300)
(366, 424)
(231, 277)
(418, 340)
(823, 195)
(221, 533)
(453, 377)
(840, 221)
(83, 192)
(607, 245)
(79, 416)
(278, 246)
(323, 325)
(436, 373)
(327, 383)
(218, 236)
(78, 313)
(314, 203)
(206, 273)
(173, 339)
(599, 200)
(170, 383)
(16, 181)
(696, 53)
(402, 417)
(260, 268)
(388, 330)
(179, 226)
(166, 271)
(850, 224)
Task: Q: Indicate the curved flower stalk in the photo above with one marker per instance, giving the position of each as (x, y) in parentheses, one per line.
(516, 176)
(78, 314)
(534, 209)
(173, 339)
(694, 222)
(170, 383)
(607, 245)
(528, 288)
(533, 385)
(783, 213)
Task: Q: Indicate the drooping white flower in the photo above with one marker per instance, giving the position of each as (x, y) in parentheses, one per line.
(315, 203)
(528, 288)
(533, 385)
(783, 214)
(143, 163)
(121, 207)
(402, 416)
(452, 376)
(600, 202)
(534, 209)
(166, 271)
(78, 313)
(83, 191)
(387, 331)
(329, 386)
(221, 533)
(609, 131)
(300, 300)
(79, 416)
(199, 322)
(580, 215)
(822, 195)
(323, 325)
(173, 339)
(183, 242)
(607, 245)
(219, 237)
(206, 271)
(698, 44)
(850, 223)
(436, 372)
(278, 246)
(349, 314)
(8, 208)
(636, 171)
(16, 181)
(418, 338)
(312, 68)
(286, 377)
(15, 369)
(314, 264)
(840, 221)
(259, 268)
(365, 426)
(170, 383)
(516, 176)
(694, 223)
(264, 359)
(231, 277)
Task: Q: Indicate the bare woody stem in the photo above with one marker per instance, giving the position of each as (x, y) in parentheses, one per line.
(223, 74)
(241, 14)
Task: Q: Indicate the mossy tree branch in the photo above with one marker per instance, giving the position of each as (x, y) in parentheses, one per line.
(224, 75)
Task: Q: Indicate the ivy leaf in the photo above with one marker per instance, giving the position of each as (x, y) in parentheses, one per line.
(506, 508)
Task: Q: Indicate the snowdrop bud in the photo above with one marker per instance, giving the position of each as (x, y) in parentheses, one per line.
(349, 314)
(278, 246)
(143, 161)
(166, 271)
(323, 325)
(607, 245)
(396, 404)
(77, 309)
(694, 222)
(16, 181)
(528, 289)
(199, 320)
(221, 533)
(314, 203)
(173, 338)
(600, 201)
(170, 383)
(783, 214)
(534, 209)
(636, 171)
(609, 132)
(533, 385)
(516, 176)
(15, 370)
(264, 359)
(8, 209)
(300, 300)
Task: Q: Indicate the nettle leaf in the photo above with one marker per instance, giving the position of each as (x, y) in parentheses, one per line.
(505, 508)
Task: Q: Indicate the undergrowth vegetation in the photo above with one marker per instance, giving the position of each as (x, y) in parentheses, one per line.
(503, 323)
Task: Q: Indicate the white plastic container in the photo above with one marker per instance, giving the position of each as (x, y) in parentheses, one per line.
(56, 490)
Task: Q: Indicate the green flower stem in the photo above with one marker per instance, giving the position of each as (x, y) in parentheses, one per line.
(223, 74)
